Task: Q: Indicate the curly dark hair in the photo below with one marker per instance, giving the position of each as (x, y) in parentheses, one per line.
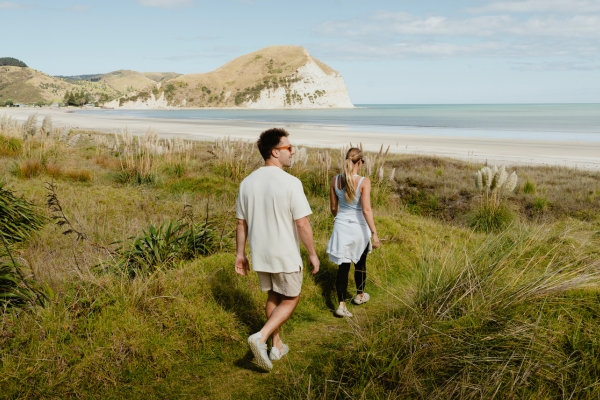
(269, 139)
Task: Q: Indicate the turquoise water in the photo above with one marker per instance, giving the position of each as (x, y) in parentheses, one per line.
(572, 122)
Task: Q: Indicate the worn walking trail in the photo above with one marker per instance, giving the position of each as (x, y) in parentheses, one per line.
(312, 341)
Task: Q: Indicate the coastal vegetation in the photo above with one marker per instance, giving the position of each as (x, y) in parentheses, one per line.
(121, 284)
(28, 86)
(236, 83)
(12, 62)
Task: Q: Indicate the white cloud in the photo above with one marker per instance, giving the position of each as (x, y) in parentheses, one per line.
(9, 5)
(196, 38)
(80, 8)
(165, 3)
(527, 6)
(556, 66)
(582, 26)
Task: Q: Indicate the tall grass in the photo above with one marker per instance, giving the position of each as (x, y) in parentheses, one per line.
(506, 318)
(235, 159)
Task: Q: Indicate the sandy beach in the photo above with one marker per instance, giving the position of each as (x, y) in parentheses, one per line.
(583, 155)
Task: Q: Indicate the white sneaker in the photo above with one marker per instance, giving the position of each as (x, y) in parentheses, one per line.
(361, 299)
(261, 358)
(343, 312)
(276, 354)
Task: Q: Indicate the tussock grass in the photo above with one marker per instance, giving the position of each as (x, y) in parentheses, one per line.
(506, 318)
(10, 146)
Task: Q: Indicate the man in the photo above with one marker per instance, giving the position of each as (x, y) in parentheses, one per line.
(272, 213)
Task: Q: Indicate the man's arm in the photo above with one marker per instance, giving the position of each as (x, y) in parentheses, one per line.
(241, 262)
(306, 236)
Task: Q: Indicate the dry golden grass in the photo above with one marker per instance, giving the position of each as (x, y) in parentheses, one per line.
(107, 162)
(32, 86)
(241, 73)
(125, 81)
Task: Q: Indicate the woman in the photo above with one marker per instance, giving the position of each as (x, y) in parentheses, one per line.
(350, 201)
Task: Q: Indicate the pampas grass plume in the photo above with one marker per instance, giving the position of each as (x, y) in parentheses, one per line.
(511, 183)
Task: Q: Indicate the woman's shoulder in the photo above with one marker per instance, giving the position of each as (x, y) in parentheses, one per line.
(364, 181)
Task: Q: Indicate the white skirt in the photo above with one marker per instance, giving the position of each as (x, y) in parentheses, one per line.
(348, 241)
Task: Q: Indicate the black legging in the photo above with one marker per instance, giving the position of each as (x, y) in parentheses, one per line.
(360, 276)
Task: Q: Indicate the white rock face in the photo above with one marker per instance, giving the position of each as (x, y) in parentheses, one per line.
(315, 89)
(151, 103)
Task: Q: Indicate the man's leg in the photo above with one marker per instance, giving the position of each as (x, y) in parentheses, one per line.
(272, 302)
(279, 309)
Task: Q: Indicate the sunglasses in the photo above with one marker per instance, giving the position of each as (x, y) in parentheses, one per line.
(288, 147)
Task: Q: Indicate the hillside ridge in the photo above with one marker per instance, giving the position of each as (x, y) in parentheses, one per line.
(273, 77)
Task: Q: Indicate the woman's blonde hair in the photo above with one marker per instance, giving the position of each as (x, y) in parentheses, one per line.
(353, 156)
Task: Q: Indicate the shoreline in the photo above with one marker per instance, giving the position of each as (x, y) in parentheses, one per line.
(514, 152)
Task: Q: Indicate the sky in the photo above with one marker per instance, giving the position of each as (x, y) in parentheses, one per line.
(389, 52)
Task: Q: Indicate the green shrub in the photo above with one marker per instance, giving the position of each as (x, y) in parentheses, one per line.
(26, 169)
(529, 187)
(10, 146)
(540, 204)
(15, 289)
(133, 177)
(488, 217)
(165, 245)
(18, 217)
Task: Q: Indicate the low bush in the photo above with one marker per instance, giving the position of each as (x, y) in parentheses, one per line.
(26, 169)
(107, 162)
(165, 245)
(79, 175)
(529, 187)
(540, 204)
(10, 146)
(18, 217)
(488, 218)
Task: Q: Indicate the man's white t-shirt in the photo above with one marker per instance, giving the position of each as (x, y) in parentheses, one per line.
(270, 200)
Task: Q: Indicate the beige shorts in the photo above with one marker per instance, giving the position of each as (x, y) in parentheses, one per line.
(285, 283)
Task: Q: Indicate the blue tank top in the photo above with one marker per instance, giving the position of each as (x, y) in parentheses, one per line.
(349, 211)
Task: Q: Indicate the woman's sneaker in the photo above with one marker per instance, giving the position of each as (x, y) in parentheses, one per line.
(343, 312)
(361, 299)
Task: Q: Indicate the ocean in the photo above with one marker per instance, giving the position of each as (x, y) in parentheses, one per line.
(562, 122)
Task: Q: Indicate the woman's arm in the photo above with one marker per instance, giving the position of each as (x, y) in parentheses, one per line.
(333, 200)
(365, 202)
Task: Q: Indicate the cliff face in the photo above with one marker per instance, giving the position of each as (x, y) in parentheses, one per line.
(139, 103)
(274, 77)
(311, 88)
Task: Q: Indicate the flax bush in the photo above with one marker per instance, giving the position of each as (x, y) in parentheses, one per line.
(19, 219)
(165, 245)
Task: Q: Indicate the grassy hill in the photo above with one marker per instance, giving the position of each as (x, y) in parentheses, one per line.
(125, 81)
(232, 84)
(455, 311)
(26, 85)
(241, 78)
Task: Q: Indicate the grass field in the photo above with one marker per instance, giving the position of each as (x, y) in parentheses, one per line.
(143, 302)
